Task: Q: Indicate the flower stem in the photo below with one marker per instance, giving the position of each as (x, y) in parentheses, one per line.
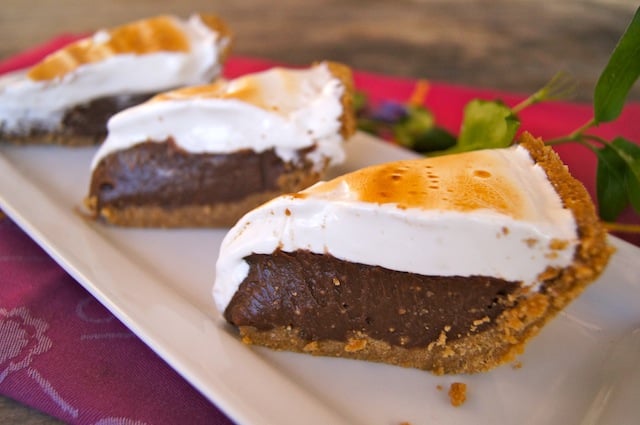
(621, 227)
(419, 93)
(524, 104)
(580, 130)
(578, 135)
(561, 86)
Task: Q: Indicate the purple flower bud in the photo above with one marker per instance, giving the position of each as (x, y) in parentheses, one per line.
(390, 112)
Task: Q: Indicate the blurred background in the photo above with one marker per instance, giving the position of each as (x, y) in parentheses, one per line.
(504, 44)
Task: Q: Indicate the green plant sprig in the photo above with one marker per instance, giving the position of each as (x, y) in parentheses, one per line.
(492, 124)
(561, 86)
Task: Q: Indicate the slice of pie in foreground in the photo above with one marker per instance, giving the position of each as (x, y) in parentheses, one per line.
(449, 264)
(68, 96)
(205, 155)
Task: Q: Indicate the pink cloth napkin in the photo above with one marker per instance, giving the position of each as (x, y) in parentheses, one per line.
(63, 353)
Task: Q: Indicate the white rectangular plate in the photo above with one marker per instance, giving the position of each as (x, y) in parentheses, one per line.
(584, 367)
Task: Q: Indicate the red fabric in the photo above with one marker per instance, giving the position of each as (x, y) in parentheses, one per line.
(33, 55)
(63, 353)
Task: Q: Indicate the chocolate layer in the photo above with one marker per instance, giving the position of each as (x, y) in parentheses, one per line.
(153, 173)
(90, 119)
(82, 124)
(327, 298)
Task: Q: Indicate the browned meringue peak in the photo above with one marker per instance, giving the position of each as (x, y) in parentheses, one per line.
(465, 182)
(160, 33)
(265, 89)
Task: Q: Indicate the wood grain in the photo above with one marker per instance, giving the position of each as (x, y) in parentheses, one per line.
(513, 45)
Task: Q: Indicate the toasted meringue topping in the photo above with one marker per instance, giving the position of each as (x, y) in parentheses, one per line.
(283, 109)
(147, 56)
(427, 216)
(456, 183)
(142, 37)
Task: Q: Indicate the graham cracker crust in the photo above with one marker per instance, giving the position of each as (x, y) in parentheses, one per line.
(222, 214)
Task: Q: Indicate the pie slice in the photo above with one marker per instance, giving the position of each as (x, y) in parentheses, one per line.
(448, 264)
(205, 155)
(68, 97)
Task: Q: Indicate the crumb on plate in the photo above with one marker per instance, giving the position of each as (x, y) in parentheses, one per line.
(457, 393)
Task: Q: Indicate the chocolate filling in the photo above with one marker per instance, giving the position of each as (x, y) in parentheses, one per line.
(85, 121)
(153, 173)
(327, 298)
(90, 119)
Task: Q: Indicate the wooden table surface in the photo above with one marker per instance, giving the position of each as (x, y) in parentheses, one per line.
(514, 45)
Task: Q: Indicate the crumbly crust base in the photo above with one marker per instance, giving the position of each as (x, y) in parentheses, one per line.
(513, 329)
(348, 118)
(223, 214)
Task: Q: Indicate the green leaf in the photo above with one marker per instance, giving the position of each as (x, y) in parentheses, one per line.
(633, 191)
(417, 122)
(485, 125)
(610, 183)
(434, 139)
(618, 178)
(621, 72)
(629, 153)
(360, 101)
(488, 124)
